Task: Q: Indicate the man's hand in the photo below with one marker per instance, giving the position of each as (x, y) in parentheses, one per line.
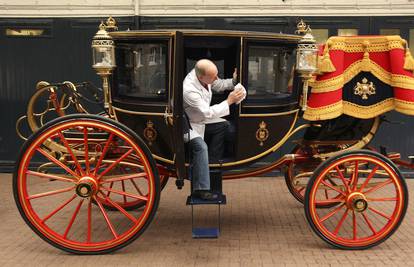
(235, 96)
(235, 76)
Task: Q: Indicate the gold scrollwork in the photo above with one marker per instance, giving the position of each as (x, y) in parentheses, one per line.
(150, 133)
(364, 89)
(262, 133)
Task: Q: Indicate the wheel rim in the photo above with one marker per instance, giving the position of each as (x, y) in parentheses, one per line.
(58, 204)
(369, 202)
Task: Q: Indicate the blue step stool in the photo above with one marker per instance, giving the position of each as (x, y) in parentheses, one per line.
(216, 185)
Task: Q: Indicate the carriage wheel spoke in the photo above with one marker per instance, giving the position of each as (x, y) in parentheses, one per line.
(50, 176)
(110, 186)
(106, 147)
(89, 230)
(58, 208)
(333, 188)
(123, 189)
(332, 213)
(380, 213)
(115, 163)
(57, 162)
(379, 186)
(371, 174)
(72, 220)
(369, 223)
(85, 144)
(338, 227)
(341, 176)
(330, 201)
(355, 176)
(116, 205)
(354, 223)
(50, 193)
(65, 142)
(126, 177)
(136, 187)
(108, 222)
(125, 193)
(383, 199)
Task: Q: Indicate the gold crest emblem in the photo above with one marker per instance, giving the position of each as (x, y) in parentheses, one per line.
(364, 89)
(262, 133)
(150, 133)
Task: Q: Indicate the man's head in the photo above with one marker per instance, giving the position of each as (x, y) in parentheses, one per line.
(206, 71)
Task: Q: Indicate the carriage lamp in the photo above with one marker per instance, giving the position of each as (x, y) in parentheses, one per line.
(306, 58)
(103, 50)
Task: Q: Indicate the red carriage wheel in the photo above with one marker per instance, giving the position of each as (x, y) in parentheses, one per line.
(55, 199)
(371, 200)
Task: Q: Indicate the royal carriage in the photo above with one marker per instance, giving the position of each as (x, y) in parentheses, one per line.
(91, 184)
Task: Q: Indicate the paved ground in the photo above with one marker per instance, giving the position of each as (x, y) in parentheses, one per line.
(262, 225)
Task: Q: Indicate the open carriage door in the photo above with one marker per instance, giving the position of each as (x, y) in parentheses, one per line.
(177, 109)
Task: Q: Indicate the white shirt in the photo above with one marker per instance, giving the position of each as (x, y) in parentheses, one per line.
(197, 101)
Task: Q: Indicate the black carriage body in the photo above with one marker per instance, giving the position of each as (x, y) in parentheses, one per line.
(147, 88)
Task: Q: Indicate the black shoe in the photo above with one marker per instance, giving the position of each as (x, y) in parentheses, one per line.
(205, 195)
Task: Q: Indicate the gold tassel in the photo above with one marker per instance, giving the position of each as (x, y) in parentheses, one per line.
(366, 61)
(408, 60)
(324, 62)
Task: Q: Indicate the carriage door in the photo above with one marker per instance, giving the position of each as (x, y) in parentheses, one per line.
(177, 107)
(142, 88)
(271, 107)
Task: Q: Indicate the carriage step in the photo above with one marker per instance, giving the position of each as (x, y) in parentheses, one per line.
(220, 200)
(206, 232)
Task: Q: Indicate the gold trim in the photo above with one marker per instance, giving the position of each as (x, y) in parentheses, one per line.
(253, 115)
(137, 112)
(366, 43)
(404, 107)
(354, 69)
(348, 108)
(163, 159)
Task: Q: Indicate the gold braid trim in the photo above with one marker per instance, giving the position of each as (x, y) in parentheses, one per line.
(354, 110)
(376, 43)
(404, 107)
(333, 84)
(323, 113)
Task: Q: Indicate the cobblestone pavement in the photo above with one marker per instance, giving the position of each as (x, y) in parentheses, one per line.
(262, 225)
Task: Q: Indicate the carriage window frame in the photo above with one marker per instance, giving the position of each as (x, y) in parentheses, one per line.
(277, 101)
(137, 60)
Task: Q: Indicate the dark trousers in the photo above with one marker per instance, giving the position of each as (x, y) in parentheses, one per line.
(214, 136)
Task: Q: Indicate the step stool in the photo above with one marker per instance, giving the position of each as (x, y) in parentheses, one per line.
(216, 187)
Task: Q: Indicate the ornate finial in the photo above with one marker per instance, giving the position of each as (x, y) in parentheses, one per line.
(102, 26)
(302, 28)
(111, 24)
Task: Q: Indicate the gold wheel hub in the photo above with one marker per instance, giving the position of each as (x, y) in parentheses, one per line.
(356, 201)
(86, 187)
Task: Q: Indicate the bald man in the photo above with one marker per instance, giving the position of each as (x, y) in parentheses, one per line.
(206, 121)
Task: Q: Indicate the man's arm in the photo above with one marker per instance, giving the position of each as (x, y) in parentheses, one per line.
(225, 84)
(199, 111)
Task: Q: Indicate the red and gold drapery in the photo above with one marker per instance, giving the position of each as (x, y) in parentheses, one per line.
(343, 58)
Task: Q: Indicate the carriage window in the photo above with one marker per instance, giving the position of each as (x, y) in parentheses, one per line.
(411, 41)
(142, 70)
(347, 32)
(270, 72)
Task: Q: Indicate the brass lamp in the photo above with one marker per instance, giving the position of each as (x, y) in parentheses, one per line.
(306, 58)
(103, 50)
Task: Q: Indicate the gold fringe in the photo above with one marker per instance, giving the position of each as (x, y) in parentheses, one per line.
(357, 111)
(324, 62)
(408, 60)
